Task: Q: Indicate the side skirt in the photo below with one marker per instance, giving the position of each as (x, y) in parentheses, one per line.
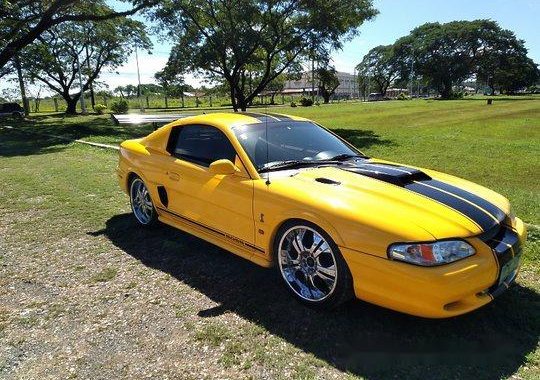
(230, 244)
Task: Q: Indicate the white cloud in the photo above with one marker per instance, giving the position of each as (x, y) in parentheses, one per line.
(149, 64)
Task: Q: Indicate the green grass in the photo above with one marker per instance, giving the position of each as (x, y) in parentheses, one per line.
(64, 226)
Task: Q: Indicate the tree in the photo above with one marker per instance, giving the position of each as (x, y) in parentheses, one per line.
(382, 66)
(232, 40)
(62, 53)
(173, 84)
(443, 53)
(22, 22)
(151, 89)
(501, 59)
(328, 82)
(515, 73)
(276, 86)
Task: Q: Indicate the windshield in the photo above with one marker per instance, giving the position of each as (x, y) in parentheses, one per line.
(290, 141)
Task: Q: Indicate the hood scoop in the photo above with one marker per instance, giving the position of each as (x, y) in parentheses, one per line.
(327, 181)
(396, 175)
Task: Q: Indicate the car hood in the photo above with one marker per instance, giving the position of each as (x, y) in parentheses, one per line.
(388, 195)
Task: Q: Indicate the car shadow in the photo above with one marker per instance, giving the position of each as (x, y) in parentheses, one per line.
(358, 338)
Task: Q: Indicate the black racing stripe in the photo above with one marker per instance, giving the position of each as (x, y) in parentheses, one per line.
(496, 212)
(280, 117)
(474, 213)
(259, 116)
(483, 213)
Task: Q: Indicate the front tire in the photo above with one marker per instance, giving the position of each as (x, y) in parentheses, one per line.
(141, 203)
(311, 265)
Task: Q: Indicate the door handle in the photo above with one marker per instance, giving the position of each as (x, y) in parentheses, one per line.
(173, 176)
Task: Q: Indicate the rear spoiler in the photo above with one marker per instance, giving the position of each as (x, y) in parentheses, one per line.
(137, 119)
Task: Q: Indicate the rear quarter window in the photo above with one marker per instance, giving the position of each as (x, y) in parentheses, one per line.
(200, 144)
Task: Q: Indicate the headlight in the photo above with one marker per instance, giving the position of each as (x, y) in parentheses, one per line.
(431, 254)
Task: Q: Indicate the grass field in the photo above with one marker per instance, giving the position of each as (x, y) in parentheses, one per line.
(84, 293)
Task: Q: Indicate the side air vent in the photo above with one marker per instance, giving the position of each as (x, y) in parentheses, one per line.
(327, 181)
(163, 198)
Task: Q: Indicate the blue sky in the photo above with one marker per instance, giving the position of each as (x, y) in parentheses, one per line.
(396, 19)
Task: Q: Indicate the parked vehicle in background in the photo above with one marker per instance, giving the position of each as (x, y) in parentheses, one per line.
(11, 109)
(375, 96)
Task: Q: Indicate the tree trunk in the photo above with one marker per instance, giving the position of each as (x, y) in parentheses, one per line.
(26, 105)
(326, 97)
(71, 103)
(233, 98)
(446, 90)
(241, 102)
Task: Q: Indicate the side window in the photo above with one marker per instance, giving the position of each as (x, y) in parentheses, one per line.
(200, 144)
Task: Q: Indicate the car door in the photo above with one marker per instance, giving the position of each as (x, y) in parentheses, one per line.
(223, 203)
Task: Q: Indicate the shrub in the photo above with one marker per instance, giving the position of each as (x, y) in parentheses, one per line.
(100, 108)
(402, 96)
(120, 106)
(305, 102)
(293, 104)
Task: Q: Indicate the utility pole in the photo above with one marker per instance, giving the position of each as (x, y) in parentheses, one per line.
(354, 83)
(139, 80)
(83, 104)
(368, 86)
(26, 105)
(412, 76)
(312, 77)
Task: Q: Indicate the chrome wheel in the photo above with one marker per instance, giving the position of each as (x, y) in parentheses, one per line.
(141, 204)
(307, 263)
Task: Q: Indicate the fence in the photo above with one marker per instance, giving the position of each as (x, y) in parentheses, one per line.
(156, 102)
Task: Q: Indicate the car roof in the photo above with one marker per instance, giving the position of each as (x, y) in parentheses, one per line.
(229, 120)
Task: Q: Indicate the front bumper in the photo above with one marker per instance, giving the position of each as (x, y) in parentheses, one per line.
(443, 291)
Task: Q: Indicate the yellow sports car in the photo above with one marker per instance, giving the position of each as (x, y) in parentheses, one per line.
(283, 191)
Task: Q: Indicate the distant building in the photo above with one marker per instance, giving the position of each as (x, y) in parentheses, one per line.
(347, 85)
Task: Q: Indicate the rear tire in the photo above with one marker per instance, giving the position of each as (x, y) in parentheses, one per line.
(311, 265)
(141, 204)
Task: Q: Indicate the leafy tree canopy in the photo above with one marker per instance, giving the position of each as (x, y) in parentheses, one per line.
(328, 81)
(23, 21)
(249, 43)
(382, 66)
(448, 54)
(58, 55)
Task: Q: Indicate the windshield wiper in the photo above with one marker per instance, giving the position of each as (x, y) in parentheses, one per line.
(292, 164)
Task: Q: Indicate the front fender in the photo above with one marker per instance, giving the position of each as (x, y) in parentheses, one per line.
(307, 215)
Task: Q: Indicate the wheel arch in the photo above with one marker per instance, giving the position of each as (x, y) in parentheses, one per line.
(304, 217)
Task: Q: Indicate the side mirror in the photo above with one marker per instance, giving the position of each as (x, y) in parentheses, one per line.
(223, 167)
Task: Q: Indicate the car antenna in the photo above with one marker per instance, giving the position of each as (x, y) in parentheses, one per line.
(267, 144)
